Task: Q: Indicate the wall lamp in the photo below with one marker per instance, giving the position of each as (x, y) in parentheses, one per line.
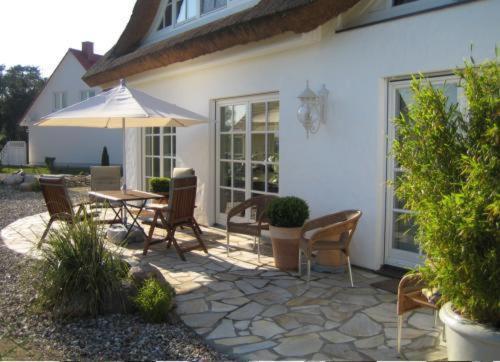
(312, 110)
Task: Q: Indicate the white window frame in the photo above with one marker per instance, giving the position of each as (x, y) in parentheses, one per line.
(161, 157)
(263, 98)
(197, 15)
(86, 94)
(393, 256)
(60, 100)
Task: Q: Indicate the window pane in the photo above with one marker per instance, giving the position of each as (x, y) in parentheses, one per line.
(258, 116)
(238, 198)
(398, 204)
(225, 200)
(167, 167)
(167, 145)
(167, 21)
(167, 130)
(148, 130)
(225, 146)
(226, 118)
(156, 130)
(258, 177)
(239, 175)
(225, 174)
(156, 167)
(273, 178)
(148, 146)
(273, 115)
(258, 147)
(209, 5)
(186, 9)
(156, 146)
(404, 234)
(239, 146)
(273, 147)
(149, 166)
(240, 117)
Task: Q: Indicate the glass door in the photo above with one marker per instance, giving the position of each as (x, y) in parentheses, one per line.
(401, 248)
(247, 150)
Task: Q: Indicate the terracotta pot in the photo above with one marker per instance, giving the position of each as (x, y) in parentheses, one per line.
(467, 340)
(285, 247)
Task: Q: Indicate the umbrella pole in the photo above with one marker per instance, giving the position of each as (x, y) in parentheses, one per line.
(124, 167)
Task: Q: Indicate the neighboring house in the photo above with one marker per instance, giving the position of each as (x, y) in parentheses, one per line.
(69, 145)
(244, 63)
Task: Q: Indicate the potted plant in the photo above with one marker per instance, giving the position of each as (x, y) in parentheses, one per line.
(450, 157)
(286, 217)
(160, 185)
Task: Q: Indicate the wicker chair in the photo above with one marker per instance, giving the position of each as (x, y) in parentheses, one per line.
(254, 228)
(179, 212)
(411, 297)
(58, 203)
(330, 232)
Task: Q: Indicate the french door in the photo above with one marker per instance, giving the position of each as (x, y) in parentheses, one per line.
(400, 246)
(247, 151)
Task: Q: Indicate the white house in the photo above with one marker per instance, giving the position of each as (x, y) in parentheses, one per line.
(70, 146)
(245, 62)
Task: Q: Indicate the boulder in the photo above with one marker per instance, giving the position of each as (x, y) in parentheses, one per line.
(30, 178)
(26, 186)
(143, 271)
(116, 234)
(14, 179)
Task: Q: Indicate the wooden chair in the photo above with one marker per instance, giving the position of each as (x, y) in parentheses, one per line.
(330, 232)
(254, 228)
(178, 172)
(179, 212)
(411, 297)
(107, 178)
(58, 203)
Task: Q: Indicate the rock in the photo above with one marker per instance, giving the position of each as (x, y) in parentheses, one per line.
(14, 179)
(30, 178)
(26, 186)
(360, 326)
(116, 234)
(143, 271)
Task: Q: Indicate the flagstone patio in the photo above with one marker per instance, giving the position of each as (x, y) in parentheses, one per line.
(254, 311)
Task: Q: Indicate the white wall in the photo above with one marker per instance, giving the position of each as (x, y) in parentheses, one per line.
(69, 145)
(343, 166)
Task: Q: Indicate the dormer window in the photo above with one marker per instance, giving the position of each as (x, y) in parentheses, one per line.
(402, 2)
(179, 11)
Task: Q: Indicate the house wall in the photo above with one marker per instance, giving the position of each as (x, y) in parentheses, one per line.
(69, 145)
(343, 165)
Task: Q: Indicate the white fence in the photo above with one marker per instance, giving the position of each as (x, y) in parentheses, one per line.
(13, 153)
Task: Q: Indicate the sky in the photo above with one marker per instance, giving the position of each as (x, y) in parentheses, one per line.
(39, 32)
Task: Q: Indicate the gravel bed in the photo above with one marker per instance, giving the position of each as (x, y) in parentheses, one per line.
(110, 337)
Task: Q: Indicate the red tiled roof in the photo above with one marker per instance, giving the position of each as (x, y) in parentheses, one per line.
(86, 61)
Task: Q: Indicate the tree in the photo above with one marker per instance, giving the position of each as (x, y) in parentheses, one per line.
(19, 85)
(104, 157)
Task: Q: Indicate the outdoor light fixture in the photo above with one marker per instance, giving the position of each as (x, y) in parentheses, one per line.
(312, 109)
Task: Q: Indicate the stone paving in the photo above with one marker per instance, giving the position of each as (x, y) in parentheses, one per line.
(254, 311)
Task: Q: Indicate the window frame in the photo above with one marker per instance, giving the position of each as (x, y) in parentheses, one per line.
(198, 14)
(393, 256)
(248, 161)
(149, 132)
(60, 100)
(86, 94)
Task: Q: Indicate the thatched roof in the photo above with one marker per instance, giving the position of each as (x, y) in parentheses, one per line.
(266, 19)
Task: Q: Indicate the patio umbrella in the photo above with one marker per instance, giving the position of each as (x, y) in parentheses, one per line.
(122, 107)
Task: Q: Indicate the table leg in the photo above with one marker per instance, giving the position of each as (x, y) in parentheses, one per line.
(134, 219)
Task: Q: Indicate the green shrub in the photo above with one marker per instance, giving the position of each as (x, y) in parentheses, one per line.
(154, 300)
(76, 274)
(36, 186)
(288, 211)
(159, 184)
(452, 183)
(50, 162)
(105, 157)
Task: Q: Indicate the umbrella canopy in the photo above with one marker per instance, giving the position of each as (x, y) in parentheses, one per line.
(122, 107)
(108, 109)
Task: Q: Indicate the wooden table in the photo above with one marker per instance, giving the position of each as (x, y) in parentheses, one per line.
(123, 197)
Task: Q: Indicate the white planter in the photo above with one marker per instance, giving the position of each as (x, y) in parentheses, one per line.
(467, 340)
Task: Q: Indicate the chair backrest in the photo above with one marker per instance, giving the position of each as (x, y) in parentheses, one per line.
(182, 172)
(329, 227)
(105, 178)
(182, 198)
(56, 196)
(257, 203)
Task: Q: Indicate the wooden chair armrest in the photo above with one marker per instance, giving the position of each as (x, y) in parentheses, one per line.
(161, 207)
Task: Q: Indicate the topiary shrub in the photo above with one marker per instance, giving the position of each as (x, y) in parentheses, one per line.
(50, 162)
(105, 157)
(154, 300)
(451, 183)
(288, 212)
(159, 185)
(76, 275)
